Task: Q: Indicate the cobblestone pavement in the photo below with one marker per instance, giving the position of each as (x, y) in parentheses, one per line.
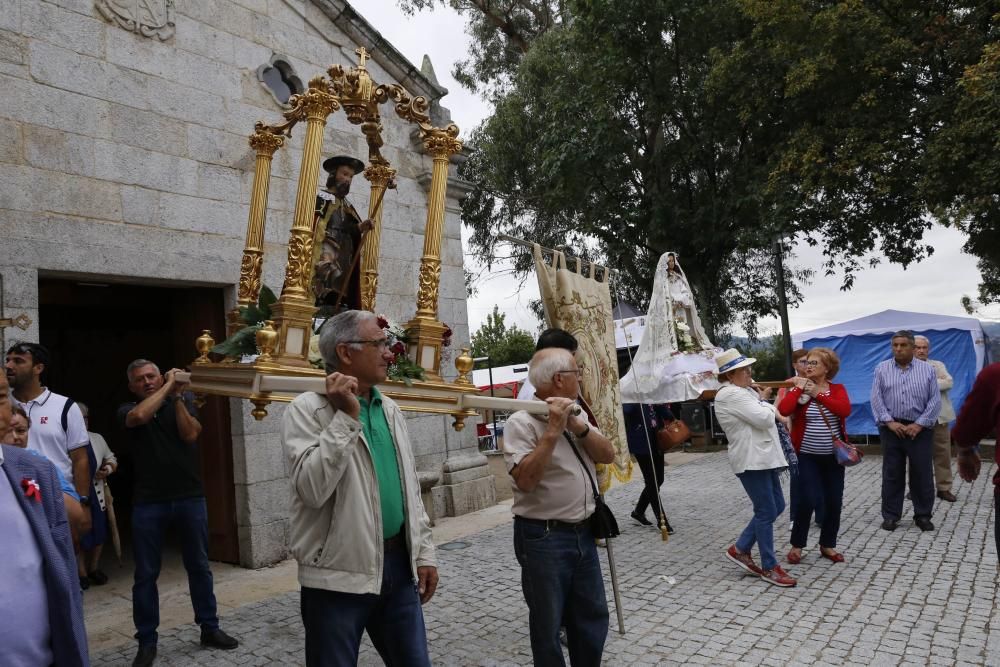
(904, 597)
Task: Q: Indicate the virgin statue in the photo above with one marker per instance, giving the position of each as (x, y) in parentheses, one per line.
(675, 360)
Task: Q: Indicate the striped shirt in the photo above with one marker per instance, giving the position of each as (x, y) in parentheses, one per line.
(818, 438)
(909, 393)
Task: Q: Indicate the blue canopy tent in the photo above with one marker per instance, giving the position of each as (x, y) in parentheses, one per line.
(861, 344)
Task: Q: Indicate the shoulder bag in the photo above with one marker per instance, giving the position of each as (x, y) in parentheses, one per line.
(602, 522)
(846, 454)
(673, 433)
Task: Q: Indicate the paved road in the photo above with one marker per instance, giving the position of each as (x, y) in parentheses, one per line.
(905, 597)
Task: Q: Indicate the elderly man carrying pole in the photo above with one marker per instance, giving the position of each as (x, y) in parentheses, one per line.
(551, 464)
(358, 528)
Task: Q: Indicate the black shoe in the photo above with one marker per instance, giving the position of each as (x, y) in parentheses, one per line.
(641, 518)
(947, 496)
(97, 578)
(217, 639)
(889, 524)
(923, 523)
(84, 583)
(145, 656)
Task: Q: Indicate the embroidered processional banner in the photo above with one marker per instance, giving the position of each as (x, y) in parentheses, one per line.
(582, 306)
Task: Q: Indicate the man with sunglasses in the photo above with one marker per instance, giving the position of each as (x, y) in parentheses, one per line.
(358, 527)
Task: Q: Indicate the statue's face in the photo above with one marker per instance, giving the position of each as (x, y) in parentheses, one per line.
(671, 263)
(342, 180)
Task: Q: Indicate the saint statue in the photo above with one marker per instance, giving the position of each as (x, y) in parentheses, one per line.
(337, 238)
(675, 360)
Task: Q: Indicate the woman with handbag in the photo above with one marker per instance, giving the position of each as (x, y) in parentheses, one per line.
(756, 456)
(642, 422)
(819, 410)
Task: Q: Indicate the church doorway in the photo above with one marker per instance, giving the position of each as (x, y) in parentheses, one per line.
(94, 329)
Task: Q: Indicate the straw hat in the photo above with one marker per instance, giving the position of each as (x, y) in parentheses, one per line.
(732, 359)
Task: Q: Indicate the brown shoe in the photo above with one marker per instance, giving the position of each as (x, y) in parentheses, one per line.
(947, 495)
(743, 560)
(778, 577)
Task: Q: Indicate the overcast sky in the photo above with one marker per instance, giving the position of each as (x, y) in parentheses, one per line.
(933, 286)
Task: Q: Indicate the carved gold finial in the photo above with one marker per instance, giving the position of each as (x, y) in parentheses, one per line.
(363, 55)
(459, 422)
(204, 344)
(464, 364)
(260, 408)
(267, 341)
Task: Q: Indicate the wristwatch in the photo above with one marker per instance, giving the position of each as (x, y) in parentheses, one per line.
(85, 501)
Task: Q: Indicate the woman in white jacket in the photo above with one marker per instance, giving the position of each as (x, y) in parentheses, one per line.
(756, 457)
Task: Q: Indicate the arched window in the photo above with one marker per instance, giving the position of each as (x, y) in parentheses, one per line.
(279, 78)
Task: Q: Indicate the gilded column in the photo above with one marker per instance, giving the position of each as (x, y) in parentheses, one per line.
(296, 306)
(426, 330)
(379, 175)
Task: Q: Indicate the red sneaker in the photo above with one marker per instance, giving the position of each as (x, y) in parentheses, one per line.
(743, 560)
(778, 577)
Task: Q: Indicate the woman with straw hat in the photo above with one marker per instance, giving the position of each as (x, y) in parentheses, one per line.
(756, 457)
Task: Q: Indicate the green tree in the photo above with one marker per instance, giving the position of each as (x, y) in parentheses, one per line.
(714, 127)
(504, 346)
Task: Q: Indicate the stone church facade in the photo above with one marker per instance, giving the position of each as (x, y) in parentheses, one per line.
(124, 165)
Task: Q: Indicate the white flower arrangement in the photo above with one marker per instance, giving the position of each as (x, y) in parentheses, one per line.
(683, 331)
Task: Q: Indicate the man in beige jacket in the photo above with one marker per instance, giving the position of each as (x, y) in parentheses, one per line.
(942, 432)
(358, 528)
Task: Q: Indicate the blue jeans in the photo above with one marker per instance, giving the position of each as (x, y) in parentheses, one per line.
(821, 481)
(149, 521)
(394, 620)
(764, 489)
(562, 584)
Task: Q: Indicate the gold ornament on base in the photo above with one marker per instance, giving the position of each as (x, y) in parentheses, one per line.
(267, 341)
(204, 344)
(464, 364)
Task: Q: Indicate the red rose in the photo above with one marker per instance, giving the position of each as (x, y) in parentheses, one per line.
(382, 322)
(31, 489)
(398, 348)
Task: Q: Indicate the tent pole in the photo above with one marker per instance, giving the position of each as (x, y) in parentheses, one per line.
(786, 335)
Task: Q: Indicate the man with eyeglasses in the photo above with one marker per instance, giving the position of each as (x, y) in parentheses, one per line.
(57, 428)
(551, 465)
(358, 527)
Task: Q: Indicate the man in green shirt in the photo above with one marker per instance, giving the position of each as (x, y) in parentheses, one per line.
(358, 527)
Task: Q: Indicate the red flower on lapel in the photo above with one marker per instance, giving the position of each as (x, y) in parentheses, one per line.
(31, 489)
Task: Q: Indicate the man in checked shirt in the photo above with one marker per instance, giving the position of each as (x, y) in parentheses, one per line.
(906, 402)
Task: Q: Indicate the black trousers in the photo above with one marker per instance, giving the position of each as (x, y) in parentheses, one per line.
(996, 516)
(652, 475)
(895, 454)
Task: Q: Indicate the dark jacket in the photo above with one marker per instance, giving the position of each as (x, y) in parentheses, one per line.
(637, 427)
(980, 413)
(51, 528)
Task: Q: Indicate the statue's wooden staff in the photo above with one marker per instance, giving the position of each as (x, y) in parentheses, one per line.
(361, 245)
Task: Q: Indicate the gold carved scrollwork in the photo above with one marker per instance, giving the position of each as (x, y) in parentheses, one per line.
(264, 141)
(317, 103)
(427, 285)
(442, 142)
(250, 270)
(299, 256)
(369, 287)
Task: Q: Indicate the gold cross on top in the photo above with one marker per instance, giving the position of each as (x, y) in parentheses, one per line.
(363, 54)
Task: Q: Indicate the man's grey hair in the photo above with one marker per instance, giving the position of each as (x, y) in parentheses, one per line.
(83, 408)
(338, 330)
(546, 363)
(918, 338)
(139, 363)
(904, 333)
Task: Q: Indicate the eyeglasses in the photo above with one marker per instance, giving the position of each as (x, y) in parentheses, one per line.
(379, 344)
(39, 354)
(811, 363)
(802, 361)
(576, 371)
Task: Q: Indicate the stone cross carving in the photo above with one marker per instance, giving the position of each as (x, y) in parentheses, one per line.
(149, 18)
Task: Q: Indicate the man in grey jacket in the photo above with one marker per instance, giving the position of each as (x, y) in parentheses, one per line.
(358, 527)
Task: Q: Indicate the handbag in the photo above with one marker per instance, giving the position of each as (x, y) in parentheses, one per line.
(846, 454)
(672, 434)
(602, 522)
